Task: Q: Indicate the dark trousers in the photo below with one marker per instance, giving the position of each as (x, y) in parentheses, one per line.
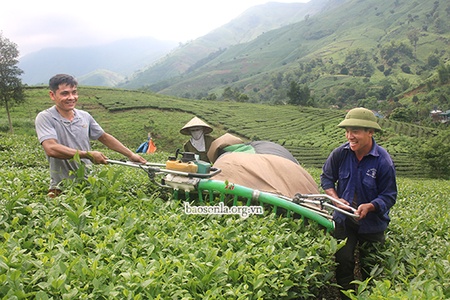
(345, 257)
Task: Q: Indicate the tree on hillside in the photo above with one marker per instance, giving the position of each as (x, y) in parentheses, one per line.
(11, 88)
(433, 61)
(413, 37)
(298, 94)
(403, 114)
(391, 53)
(434, 153)
(444, 74)
(234, 95)
(357, 62)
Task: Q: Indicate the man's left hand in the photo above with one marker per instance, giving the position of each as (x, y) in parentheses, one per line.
(364, 209)
(137, 158)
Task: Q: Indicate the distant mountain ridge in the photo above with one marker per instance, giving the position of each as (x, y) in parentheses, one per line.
(120, 58)
(165, 59)
(246, 27)
(339, 53)
(350, 52)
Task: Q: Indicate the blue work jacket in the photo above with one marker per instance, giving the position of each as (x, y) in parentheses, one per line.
(372, 179)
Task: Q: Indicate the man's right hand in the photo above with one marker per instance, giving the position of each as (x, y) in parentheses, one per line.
(342, 204)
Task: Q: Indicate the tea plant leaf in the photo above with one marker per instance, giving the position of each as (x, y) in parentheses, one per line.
(115, 234)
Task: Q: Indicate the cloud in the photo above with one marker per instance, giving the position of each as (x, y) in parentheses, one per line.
(33, 25)
(41, 32)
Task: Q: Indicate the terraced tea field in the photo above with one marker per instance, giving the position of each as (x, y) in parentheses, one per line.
(116, 235)
(309, 133)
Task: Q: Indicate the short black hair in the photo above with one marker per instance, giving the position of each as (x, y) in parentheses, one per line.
(59, 79)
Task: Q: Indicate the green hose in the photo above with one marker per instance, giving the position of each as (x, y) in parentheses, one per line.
(262, 197)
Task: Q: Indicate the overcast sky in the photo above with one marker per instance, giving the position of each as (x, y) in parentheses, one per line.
(37, 24)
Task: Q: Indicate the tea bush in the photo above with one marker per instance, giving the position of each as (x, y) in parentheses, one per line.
(115, 235)
(415, 262)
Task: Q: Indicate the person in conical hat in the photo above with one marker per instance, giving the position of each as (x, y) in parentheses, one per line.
(200, 140)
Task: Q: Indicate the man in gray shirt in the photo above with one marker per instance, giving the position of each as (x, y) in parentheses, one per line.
(64, 131)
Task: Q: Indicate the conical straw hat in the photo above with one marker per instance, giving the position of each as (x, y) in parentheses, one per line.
(195, 122)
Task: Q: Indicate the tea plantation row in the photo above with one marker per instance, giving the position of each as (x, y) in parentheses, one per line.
(116, 235)
(309, 133)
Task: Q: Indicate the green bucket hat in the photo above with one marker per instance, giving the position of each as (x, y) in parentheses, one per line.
(360, 117)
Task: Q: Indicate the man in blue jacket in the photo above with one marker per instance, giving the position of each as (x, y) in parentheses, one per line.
(360, 174)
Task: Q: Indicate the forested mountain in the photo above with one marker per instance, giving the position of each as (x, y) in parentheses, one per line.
(109, 64)
(248, 26)
(387, 55)
(353, 52)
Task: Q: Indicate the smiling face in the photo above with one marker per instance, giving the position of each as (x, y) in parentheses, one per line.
(360, 140)
(65, 98)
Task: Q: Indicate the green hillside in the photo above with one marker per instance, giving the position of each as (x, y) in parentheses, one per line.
(379, 53)
(309, 133)
(246, 27)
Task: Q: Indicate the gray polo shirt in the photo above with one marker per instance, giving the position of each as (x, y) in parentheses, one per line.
(75, 134)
